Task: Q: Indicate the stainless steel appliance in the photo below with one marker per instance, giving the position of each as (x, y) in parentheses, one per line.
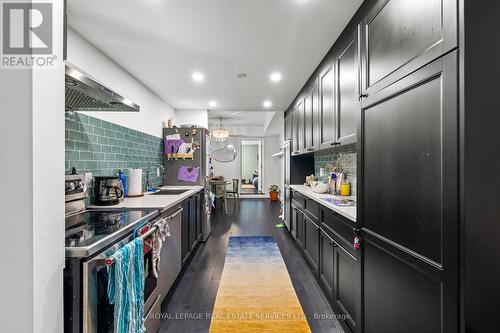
(201, 161)
(84, 93)
(286, 181)
(92, 236)
(109, 191)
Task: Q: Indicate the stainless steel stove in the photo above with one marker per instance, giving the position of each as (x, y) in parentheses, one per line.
(90, 231)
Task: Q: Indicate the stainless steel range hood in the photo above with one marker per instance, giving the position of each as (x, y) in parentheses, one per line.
(83, 93)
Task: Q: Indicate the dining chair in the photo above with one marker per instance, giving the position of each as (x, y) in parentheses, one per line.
(235, 192)
(221, 193)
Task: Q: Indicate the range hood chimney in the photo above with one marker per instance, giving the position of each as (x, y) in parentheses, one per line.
(83, 93)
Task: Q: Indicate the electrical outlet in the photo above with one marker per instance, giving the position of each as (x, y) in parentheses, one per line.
(88, 179)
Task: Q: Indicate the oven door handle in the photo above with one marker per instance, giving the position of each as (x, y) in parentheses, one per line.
(177, 212)
(152, 306)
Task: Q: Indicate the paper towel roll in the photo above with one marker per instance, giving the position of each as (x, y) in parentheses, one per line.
(134, 182)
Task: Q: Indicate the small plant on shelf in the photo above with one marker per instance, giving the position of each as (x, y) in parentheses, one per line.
(273, 192)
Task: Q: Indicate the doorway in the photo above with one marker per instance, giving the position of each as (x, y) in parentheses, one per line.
(251, 166)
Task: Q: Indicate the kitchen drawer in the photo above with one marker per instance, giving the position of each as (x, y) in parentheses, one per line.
(313, 209)
(299, 199)
(338, 227)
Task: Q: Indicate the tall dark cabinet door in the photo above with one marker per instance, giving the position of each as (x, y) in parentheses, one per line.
(308, 115)
(346, 293)
(185, 231)
(401, 36)
(288, 126)
(311, 248)
(410, 221)
(301, 126)
(298, 216)
(327, 108)
(316, 122)
(295, 130)
(326, 272)
(347, 106)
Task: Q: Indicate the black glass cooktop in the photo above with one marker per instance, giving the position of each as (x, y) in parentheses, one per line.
(87, 228)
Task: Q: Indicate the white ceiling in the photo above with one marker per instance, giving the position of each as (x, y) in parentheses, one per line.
(162, 42)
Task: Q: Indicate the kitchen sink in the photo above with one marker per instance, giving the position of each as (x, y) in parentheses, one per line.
(169, 192)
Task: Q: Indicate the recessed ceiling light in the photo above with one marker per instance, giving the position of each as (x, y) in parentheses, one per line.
(212, 103)
(267, 104)
(198, 76)
(275, 77)
(241, 75)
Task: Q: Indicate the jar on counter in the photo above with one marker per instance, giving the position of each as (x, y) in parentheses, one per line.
(345, 189)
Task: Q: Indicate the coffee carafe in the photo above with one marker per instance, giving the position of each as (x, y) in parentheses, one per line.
(109, 190)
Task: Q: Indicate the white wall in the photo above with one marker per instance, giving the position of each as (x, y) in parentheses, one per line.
(228, 170)
(273, 167)
(31, 196)
(154, 111)
(192, 117)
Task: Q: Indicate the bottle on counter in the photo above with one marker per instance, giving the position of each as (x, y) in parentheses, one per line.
(345, 188)
(332, 187)
(123, 181)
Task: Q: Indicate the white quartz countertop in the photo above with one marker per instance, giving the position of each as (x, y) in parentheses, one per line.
(348, 212)
(149, 201)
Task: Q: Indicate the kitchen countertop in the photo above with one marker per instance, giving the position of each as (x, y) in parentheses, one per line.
(348, 212)
(154, 201)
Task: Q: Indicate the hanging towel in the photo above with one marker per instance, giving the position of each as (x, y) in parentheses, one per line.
(126, 287)
(163, 231)
(212, 199)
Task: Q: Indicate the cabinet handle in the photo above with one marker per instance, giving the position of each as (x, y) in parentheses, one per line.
(335, 143)
(363, 96)
(310, 149)
(332, 243)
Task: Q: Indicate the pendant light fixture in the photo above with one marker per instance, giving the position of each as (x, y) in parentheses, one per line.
(220, 134)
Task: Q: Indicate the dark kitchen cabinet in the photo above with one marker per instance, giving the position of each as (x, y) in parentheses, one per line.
(200, 209)
(288, 126)
(327, 108)
(308, 123)
(347, 106)
(401, 36)
(185, 246)
(298, 139)
(311, 248)
(411, 224)
(346, 293)
(191, 226)
(299, 222)
(326, 267)
(316, 122)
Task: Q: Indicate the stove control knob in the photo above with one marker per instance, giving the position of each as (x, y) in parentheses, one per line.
(70, 186)
(79, 186)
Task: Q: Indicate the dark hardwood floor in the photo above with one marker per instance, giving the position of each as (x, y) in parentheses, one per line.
(196, 289)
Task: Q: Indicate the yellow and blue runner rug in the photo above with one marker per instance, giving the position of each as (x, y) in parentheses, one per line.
(255, 292)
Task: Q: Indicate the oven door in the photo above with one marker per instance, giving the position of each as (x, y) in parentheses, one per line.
(98, 314)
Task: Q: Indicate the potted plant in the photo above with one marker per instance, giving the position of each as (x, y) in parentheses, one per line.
(273, 192)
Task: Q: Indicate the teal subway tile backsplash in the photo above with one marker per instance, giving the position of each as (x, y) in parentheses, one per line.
(103, 148)
(344, 157)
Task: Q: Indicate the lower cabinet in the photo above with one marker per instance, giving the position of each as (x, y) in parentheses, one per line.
(298, 218)
(191, 227)
(311, 248)
(325, 245)
(346, 293)
(326, 267)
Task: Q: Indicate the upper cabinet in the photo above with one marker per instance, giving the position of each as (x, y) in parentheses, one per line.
(308, 111)
(401, 36)
(327, 108)
(288, 126)
(298, 135)
(347, 106)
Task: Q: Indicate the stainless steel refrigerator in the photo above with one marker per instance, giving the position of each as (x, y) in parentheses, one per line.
(187, 162)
